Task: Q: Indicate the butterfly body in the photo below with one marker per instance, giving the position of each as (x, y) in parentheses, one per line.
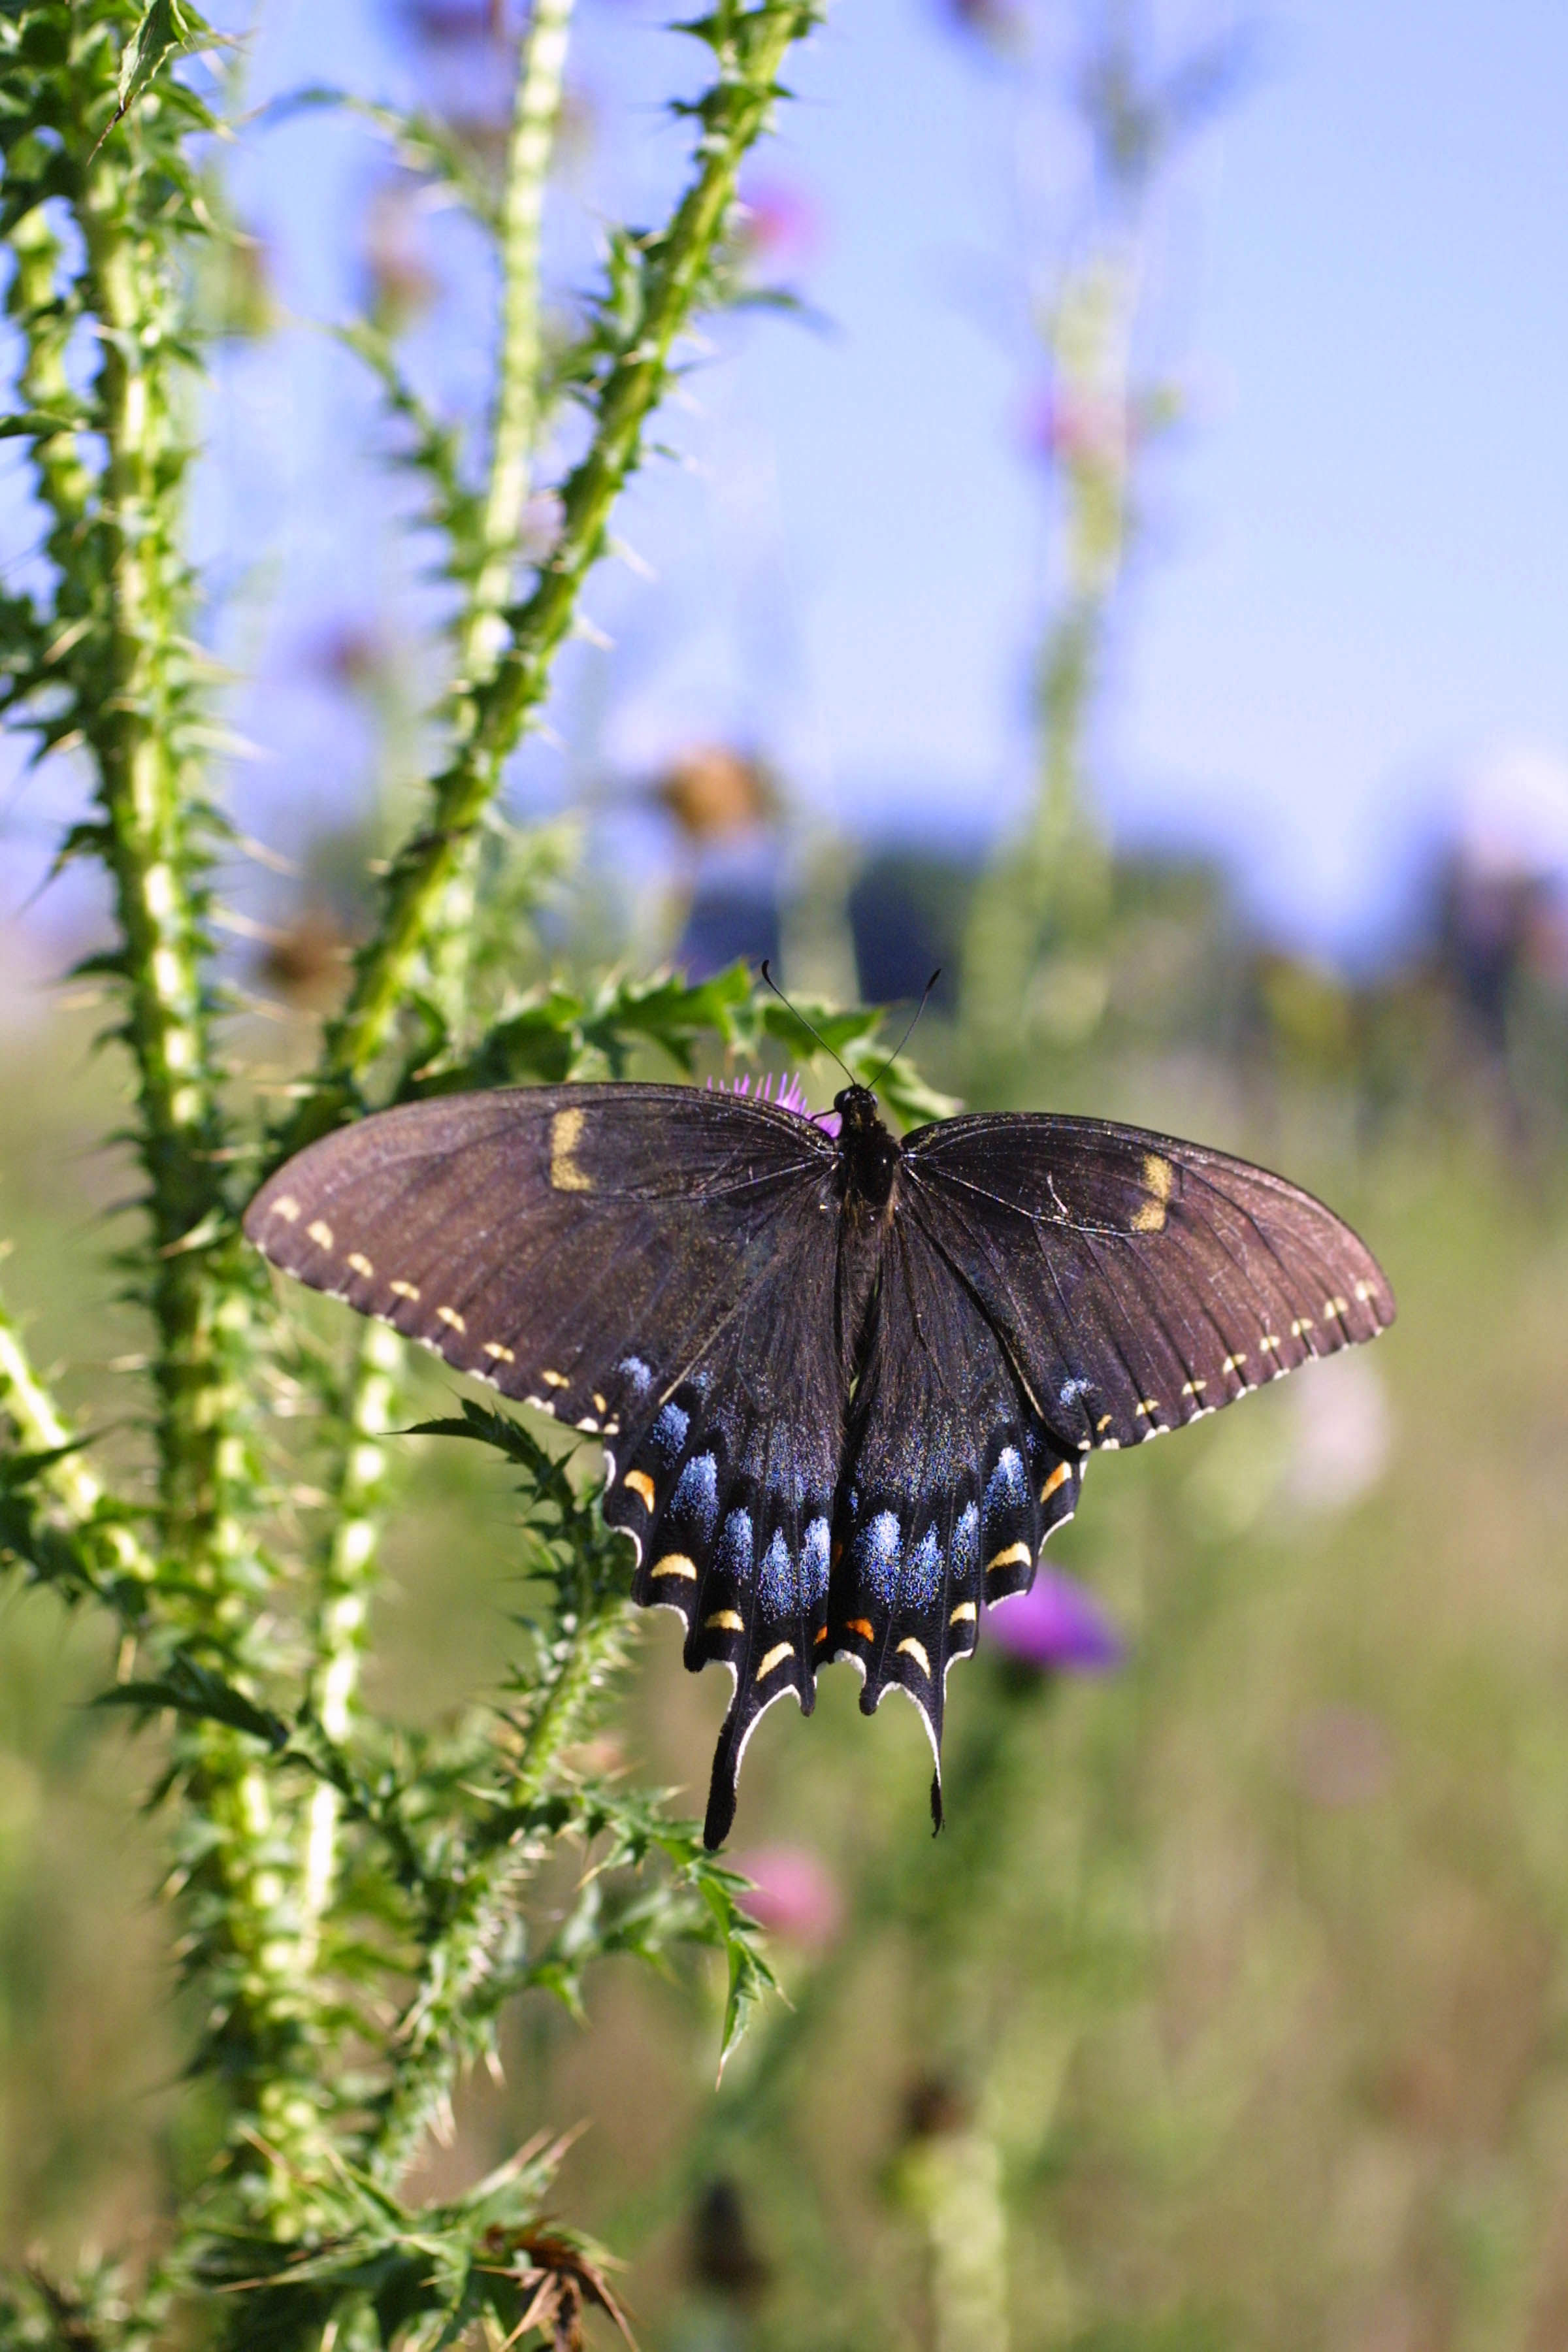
(847, 1386)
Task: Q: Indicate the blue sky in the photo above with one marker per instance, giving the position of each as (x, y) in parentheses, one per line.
(1352, 586)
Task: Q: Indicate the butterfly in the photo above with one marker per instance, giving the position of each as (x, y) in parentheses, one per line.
(847, 1384)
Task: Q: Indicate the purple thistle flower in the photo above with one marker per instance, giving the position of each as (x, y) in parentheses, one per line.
(1058, 1627)
(785, 1091)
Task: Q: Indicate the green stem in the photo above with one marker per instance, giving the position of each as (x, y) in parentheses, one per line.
(43, 1429)
(342, 1609)
(447, 2021)
(751, 47)
(541, 65)
(155, 867)
(199, 1293)
(482, 635)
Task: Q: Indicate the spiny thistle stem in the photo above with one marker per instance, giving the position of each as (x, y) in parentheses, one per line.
(465, 1949)
(751, 47)
(342, 1614)
(43, 1429)
(540, 68)
(154, 863)
(343, 1609)
(514, 428)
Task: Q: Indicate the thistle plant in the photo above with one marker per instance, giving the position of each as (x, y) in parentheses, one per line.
(356, 1897)
(1036, 937)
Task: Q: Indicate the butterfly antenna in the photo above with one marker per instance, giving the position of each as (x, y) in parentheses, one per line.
(925, 998)
(806, 1024)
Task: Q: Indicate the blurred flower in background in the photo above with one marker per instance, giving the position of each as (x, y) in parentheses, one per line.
(712, 792)
(1343, 1435)
(778, 226)
(1058, 1627)
(794, 1893)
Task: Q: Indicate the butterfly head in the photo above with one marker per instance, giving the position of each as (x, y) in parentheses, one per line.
(867, 1153)
(856, 1108)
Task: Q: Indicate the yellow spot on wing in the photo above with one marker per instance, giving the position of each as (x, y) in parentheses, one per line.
(1159, 1178)
(1366, 1290)
(502, 1355)
(1058, 1477)
(404, 1289)
(320, 1232)
(1104, 1423)
(1194, 1388)
(554, 1380)
(449, 1316)
(726, 1620)
(1018, 1555)
(775, 1657)
(916, 1650)
(599, 1403)
(1235, 1363)
(359, 1263)
(565, 1132)
(287, 1207)
(675, 1563)
(964, 1614)
(638, 1482)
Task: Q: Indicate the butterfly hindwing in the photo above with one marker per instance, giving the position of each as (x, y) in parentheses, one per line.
(730, 1490)
(951, 1484)
(1137, 1282)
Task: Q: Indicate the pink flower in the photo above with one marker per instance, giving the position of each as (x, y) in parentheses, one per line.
(1058, 1627)
(792, 1894)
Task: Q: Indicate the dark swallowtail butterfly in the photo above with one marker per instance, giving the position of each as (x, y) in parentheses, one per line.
(847, 1386)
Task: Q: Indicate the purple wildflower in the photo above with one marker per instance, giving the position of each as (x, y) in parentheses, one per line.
(786, 1092)
(1058, 1627)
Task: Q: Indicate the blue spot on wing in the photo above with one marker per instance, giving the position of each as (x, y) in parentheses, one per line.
(814, 1560)
(696, 1494)
(1007, 1483)
(776, 1578)
(669, 1432)
(735, 1547)
(921, 1579)
(877, 1551)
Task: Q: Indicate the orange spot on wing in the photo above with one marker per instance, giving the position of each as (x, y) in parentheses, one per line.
(862, 1626)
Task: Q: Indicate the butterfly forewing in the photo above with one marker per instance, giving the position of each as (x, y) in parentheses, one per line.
(579, 1246)
(1136, 1281)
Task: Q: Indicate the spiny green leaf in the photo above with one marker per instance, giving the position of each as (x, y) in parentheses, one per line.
(203, 1694)
(167, 30)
